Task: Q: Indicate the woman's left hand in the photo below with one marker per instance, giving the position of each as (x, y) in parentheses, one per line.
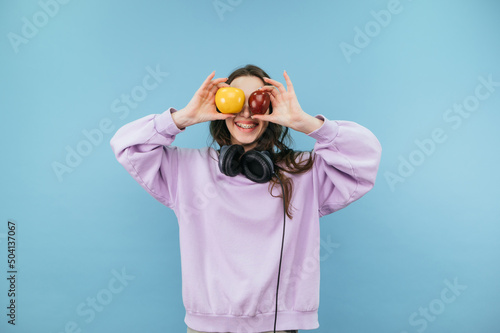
(286, 108)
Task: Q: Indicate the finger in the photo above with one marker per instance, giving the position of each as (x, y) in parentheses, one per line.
(224, 116)
(209, 78)
(263, 117)
(207, 85)
(274, 99)
(222, 85)
(289, 85)
(277, 84)
(271, 90)
(213, 90)
(218, 81)
(274, 95)
(217, 84)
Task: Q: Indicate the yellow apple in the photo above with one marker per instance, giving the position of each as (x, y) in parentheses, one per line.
(229, 99)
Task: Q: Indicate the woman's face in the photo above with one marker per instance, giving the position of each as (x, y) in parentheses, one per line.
(244, 130)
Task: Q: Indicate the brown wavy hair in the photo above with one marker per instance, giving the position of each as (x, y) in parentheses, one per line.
(275, 139)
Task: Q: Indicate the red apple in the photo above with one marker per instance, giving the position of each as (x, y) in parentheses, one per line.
(259, 101)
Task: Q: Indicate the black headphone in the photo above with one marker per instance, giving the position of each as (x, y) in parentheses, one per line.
(255, 165)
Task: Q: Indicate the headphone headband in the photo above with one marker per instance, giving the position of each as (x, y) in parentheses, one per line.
(253, 164)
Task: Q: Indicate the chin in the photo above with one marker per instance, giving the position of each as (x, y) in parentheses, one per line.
(245, 132)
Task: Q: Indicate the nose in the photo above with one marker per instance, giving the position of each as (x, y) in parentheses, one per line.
(245, 112)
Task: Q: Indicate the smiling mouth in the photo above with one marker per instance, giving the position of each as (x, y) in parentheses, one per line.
(246, 126)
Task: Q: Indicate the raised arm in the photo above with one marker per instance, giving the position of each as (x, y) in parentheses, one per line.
(346, 163)
(144, 148)
(347, 154)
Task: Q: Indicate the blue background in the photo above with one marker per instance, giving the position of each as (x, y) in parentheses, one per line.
(394, 248)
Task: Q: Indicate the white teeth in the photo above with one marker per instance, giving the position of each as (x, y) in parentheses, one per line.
(246, 125)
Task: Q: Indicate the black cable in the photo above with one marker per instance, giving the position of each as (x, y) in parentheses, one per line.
(281, 255)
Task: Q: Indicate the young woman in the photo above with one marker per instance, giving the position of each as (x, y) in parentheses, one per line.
(231, 228)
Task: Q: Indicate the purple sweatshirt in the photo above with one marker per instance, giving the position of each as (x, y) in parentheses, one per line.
(230, 228)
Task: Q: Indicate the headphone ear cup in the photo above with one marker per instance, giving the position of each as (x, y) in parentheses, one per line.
(257, 166)
(229, 160)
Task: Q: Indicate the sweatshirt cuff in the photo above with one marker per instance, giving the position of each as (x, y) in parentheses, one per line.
(164, 124)
(327, 132)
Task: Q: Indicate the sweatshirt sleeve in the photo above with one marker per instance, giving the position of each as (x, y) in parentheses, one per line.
(347, 157)
(144, 149)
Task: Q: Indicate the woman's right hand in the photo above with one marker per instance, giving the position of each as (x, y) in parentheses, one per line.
(202, 108)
